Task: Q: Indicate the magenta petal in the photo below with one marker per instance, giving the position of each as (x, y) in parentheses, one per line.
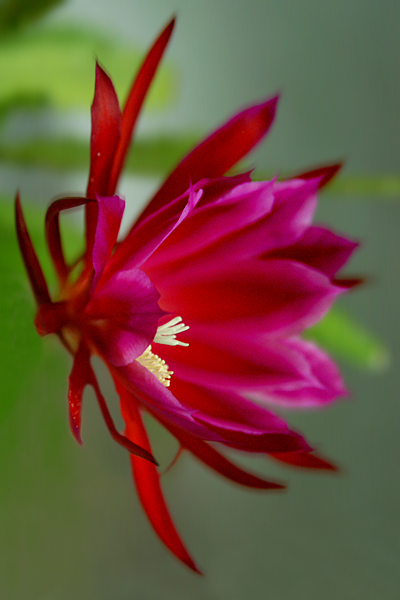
(109, 217)
(142, 241)
(218, 153)
(217, 217)
(319, 248)
(327, 387)
(258, 297)
(123, 315)
(157, 399)
(293, 207)
(249, 365)
(218, 406)
(255, 441)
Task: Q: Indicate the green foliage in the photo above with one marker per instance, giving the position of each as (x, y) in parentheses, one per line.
(366, 185)
(57, 66)
(15, 13)
(20, 346)
(341, 336)
(152, 156)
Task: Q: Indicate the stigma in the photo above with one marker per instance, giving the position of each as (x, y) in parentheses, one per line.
(166, 334)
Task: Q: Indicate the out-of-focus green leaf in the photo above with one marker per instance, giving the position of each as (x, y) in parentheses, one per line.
(14, 13)
(152, 156)
(26, 102)
(58, 64)
(20, 345)
(58, 154)
(366, 185)
(340, 335)
(158, 155)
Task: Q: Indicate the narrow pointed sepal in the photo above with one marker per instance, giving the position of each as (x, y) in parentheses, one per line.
(305, 460)
(325, 173)
(135, 101)
(147, 480)
(220, 464)
(32, 265)
(79, 378)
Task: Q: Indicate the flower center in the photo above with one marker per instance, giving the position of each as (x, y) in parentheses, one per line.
(166, 334)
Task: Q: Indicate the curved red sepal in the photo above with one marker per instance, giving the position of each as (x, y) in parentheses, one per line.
(82, 375)
(134, 102)
(218, 153)
(52, 229)
(147, 480)
(32, 265)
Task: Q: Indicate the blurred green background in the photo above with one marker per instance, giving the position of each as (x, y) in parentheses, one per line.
(70, 522)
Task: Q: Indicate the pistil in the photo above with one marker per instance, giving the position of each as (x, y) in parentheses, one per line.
(166, 334)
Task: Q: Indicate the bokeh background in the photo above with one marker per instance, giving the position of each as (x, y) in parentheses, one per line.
(70, 523)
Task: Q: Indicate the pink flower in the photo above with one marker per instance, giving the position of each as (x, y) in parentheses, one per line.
(197, 313)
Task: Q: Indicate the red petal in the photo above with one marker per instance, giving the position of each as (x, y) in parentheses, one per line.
(32, 265)
(326, 173)
(305, 460)
(218, 153)
(106, 132)
(219, 463)
(135, 100)
(147, 482)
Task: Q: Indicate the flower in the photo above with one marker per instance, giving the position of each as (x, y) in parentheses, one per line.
(197, 313)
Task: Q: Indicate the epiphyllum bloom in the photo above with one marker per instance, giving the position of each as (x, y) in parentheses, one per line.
(197, 312)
